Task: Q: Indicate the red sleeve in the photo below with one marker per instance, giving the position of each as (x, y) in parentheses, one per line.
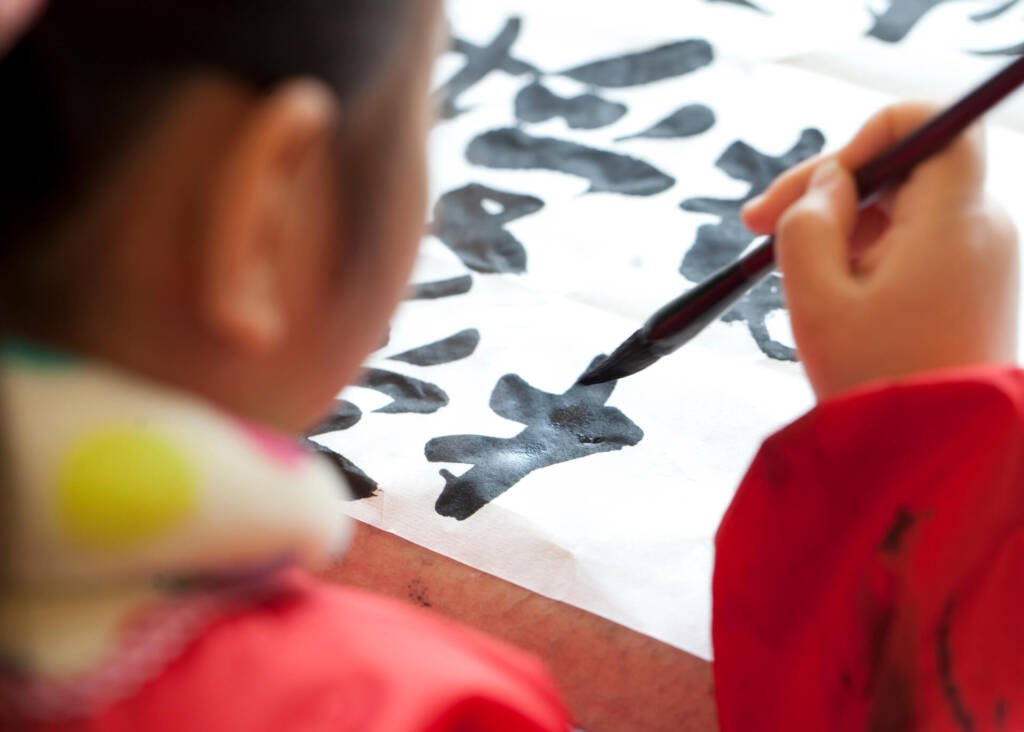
(333, 659)
(870, 571)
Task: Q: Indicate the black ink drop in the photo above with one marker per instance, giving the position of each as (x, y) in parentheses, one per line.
(480, 61)
(900, 18)
(721, 243)
(693, 119)
(417, 592)
(409, 395)
(536, 103)
(344, 415)
(440, 288)
(559, 427)
(513, 149)
(361, 485)
(453, 348)
(478, 235)
(645, 67)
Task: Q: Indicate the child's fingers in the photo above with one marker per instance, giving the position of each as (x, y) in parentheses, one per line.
(876, 135)
(812, 238)
(948, 179)
(761, 214)
(953, 175)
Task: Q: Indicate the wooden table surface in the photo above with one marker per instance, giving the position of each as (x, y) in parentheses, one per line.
(613, 678)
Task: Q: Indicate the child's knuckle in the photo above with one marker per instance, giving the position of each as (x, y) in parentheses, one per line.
(798, 224)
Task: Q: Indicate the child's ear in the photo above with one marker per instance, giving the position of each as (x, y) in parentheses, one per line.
(255, 191)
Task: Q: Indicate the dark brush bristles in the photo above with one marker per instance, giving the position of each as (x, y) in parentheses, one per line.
(634, 354)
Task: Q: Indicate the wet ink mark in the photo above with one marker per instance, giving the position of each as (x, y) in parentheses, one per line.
(744, 3)
(1016, 50)
(893, 540)
(481, 61)
(1000, 713)
(344, 415)
(417, 592)
(409, 395)
(900, 18)
(693, 119)
(361, 485)
(471, 222)
(754, 310)
(995, 12)
(453, 348)
(440, 288)
(513, 149)
(558, 428)
(944, 657)
(721, 243)
(645, 67)
(536, 103)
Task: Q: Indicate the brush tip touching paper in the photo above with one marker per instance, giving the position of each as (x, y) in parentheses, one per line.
(634, 354)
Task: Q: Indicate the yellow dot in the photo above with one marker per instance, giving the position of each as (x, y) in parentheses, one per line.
(123, 486)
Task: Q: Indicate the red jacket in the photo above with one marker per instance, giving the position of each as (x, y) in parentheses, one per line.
(870, 571)
(331, 659)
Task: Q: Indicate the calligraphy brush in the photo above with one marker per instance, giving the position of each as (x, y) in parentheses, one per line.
(684, 317)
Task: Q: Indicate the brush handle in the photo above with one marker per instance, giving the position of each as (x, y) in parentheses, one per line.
(684, 317)
(681, 319)
(895, 164)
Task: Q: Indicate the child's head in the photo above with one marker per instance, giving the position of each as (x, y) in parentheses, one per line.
(222, 194)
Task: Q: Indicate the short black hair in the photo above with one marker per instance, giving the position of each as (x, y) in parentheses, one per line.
(85, 79)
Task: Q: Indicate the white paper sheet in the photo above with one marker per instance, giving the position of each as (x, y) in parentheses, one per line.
(627, 533)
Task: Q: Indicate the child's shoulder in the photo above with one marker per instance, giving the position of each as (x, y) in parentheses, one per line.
(336, 658)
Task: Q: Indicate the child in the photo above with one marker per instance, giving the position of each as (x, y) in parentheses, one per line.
(217, 203)
(869, 569)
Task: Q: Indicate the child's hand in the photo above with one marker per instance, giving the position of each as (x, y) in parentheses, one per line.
(924, 279)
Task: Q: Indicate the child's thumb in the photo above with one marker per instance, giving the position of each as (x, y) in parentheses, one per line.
(812, 237)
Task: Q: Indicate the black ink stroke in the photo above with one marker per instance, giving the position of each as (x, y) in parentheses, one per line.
(721, 243)
(995, 12)
(477, 235)
(754, 309)
(453, 348)
(693, 119)
(409, 395)
(440, 288)
(536, 103)
(1000, 711)
(902, 522)
(944, 661)
(1008, 51)
(481, 61)
(361, 485)
(645, 67)
(513, 149)
(559, 427)
(743, 3)
(893, 25)
(344, 415)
